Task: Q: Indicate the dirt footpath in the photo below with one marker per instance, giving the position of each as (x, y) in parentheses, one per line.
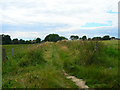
(79, 82)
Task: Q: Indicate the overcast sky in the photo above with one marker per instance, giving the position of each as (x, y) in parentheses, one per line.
(28, 19)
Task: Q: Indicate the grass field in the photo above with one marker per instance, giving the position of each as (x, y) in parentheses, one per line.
(41, 65)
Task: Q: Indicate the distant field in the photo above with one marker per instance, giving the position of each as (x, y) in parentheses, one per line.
(16, 48)
(111, 43)
(42, 65)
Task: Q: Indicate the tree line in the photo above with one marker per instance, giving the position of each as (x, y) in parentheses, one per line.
(6, 39)
(106, 37)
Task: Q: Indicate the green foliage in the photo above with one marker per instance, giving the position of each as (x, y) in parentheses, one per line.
(106, 37)
(96, 38)
(28, 42)
(112, 37)
(38, 40)
(62, 38)
(15, 41)
(22, 41)
(6, 39)
(84, 38)
(74, 37)
(52, 37)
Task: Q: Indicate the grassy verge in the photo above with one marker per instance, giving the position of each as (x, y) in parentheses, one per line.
(99, 68)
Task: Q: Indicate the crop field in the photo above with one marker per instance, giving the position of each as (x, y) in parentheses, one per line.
(42, 65)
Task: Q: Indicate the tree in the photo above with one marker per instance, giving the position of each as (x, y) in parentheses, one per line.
(80, 38)
(62, 38)
(106, 37)
(38, 40)
(6, 39)
(96, 38)
(28, 42)
(22, 41)
(52, 37)
(15, 41)
(112, 38)
(74, 37)
(89, 38)
(84, 38)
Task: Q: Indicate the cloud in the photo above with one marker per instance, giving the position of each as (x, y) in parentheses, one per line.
(73, 13)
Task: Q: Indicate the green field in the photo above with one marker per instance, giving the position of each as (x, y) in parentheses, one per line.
(42, 65)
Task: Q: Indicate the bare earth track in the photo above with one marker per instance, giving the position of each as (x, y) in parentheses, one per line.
(79, 82)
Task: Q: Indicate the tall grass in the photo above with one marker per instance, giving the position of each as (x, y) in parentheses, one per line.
(40, 66)
(98, 66)
(29, 68)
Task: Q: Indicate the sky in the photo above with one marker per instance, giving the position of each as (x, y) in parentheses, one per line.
(29, 19)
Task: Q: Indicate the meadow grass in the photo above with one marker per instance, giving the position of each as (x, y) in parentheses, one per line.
(42, 65)
(99, 68)
(29, 68)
